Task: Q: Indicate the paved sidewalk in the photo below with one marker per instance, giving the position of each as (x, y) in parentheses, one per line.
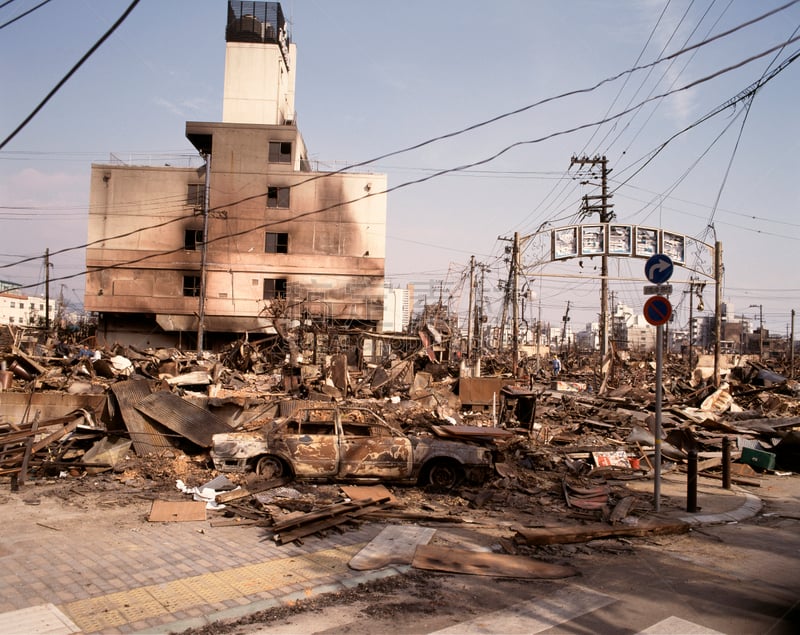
(69, 577)
(60, 577)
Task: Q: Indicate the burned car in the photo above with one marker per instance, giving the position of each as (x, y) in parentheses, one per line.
(348, 443)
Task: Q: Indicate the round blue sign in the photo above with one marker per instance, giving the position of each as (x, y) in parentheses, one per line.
(657, 310)
(658, 268)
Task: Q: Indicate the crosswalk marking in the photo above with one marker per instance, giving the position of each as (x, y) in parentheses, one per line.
(677, 625)
(44, 619)
(534, 616)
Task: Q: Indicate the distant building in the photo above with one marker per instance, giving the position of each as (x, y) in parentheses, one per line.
(25, 310)
(251, 237)
(397, 309)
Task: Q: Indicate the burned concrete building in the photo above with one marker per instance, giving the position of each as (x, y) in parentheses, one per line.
(252, 234)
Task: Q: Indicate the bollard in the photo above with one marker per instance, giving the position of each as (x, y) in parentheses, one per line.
(691, 482)
(726, 462)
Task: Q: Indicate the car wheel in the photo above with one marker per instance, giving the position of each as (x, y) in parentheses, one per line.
(444, 474)
(270, 467)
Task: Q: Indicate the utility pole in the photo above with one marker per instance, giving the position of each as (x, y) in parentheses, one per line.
(791, 350)
(47, 289)
(606, 216)
(511, 296)
(692, 286)
(717, 311)
(470, 309)
(515, 306)
(760, 330)
(564, 331)
(201, 311)
(480, 316)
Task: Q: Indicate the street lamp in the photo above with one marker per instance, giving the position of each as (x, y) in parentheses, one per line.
(760, 330)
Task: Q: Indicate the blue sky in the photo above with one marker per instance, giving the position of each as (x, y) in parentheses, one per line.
(375, 77)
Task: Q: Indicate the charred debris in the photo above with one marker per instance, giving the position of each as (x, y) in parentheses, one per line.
(564, 447)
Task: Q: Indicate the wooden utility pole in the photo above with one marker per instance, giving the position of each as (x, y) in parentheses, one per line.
(791, 350)
(515, 305)
(470, 309)
(47, 289)
(606, 216)
(717, 311)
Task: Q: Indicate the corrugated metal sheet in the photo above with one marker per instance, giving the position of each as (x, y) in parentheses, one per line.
(147, 437)
(193, 422)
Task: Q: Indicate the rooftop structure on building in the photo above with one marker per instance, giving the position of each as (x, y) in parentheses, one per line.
(253, 236)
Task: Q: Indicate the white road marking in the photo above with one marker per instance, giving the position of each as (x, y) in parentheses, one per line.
(534, 616)
(44, 619)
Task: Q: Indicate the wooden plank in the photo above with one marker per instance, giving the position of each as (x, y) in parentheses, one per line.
(254, 488)
(177, 511)
(585, 533)
(327, 512)
(307, 530)
(23, 473)
(437, 558)
(235, 522)
(366, 492)
(58, 434)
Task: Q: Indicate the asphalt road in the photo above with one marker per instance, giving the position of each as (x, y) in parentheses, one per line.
(736, 578)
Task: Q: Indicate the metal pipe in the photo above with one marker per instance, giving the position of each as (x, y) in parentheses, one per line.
(691, 482)
(726, 462)
(657, 431)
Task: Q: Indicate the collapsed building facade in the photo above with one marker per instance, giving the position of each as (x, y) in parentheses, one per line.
(185, 256)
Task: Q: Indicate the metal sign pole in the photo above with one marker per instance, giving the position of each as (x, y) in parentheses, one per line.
(657, 431)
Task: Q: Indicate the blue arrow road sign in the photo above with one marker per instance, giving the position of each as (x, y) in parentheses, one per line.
(657, 310)
(658, 268)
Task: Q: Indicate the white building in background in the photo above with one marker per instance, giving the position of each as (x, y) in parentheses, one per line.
(24, 310)
(397, 309)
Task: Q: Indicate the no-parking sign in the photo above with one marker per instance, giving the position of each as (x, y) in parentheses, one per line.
(657, 310)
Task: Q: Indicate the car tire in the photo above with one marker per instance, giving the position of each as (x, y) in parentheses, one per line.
(443, 474)
(270, 467)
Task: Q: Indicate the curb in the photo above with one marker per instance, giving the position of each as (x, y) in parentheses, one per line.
(751, 506)
(263, 605)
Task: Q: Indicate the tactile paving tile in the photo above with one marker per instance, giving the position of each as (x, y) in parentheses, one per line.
(175, 595)
(110, 611)
(211, 588)
(334, 560)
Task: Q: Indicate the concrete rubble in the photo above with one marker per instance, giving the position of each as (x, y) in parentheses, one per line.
(564, 448)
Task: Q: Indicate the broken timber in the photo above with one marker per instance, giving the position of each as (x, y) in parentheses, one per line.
(438, 558)
(307, 524)
(563, 535)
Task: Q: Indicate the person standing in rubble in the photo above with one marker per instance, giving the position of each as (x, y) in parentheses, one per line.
(556, 365)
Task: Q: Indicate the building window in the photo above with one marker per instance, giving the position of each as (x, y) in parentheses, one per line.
(191, 286)
(196, 195)
(278, 197)
(274, 288)
(277, 243)
(12, 305)
(11, 320)
(192, 239)
(280, 151)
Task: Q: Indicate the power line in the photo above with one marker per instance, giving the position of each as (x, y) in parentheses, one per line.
(461, 168)
(71, 72)
(22, 15)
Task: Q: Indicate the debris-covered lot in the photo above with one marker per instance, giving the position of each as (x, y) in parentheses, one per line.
(566, 465)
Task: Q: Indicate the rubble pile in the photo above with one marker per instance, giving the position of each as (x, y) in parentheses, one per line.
(564, 447)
